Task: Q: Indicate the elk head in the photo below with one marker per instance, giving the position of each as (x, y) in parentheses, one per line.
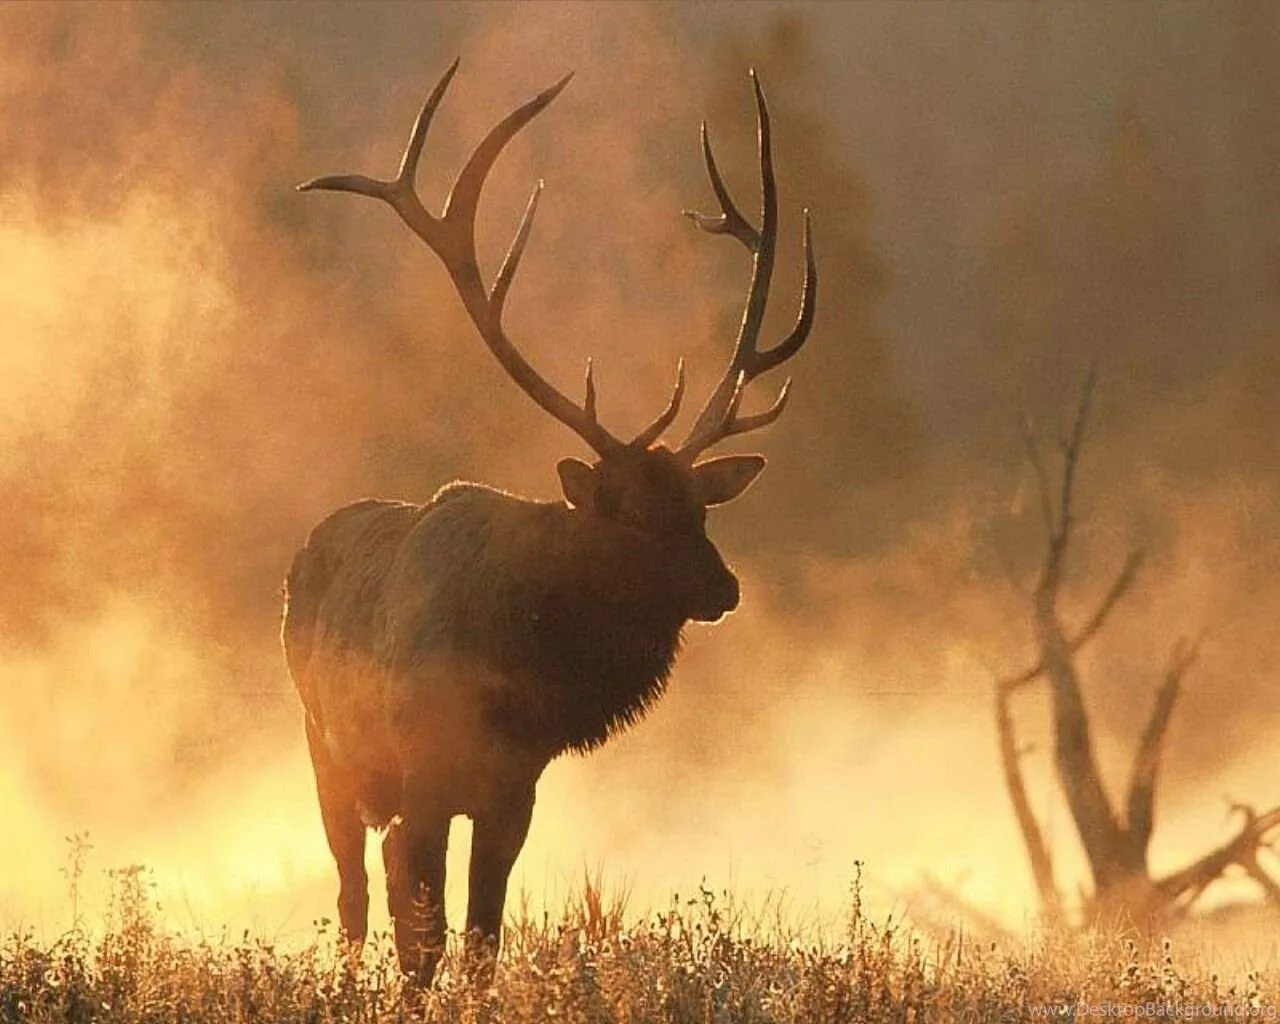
(639, 486)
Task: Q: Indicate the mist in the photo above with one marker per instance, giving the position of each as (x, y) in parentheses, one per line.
(199, 364)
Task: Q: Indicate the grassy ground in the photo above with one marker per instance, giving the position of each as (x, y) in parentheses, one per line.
(700, 960)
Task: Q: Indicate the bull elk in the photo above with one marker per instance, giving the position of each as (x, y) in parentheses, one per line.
(446, 652)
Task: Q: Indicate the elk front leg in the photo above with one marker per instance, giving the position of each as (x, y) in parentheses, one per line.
(499, 833)
(414, 856)
(346, 834)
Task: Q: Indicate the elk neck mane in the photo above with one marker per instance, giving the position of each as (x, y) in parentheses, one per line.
(574, 618)
(576, 613)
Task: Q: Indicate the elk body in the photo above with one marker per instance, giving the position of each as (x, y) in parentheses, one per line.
(446, 652)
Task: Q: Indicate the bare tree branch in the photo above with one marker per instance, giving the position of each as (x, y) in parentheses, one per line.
(1146, 761)
(1042, 475)
(1032, 837)
(1186, 884)
(1071, 459)
(1265, 882)
(1120, 586)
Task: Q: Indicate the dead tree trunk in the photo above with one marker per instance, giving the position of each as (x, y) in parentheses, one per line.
(1115, 844)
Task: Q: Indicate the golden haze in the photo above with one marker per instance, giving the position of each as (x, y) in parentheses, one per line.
(197, 364)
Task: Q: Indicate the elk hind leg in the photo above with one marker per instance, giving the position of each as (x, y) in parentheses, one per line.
(346, 835)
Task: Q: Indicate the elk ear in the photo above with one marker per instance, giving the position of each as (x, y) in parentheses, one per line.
(578, 481)
(719, 480)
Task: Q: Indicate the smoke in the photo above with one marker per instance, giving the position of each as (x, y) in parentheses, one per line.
(199, 364)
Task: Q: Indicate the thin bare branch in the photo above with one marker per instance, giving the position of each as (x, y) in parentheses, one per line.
(1032, 836)
(1071, 459)
(1265, 882)
(1042, 476)
(1120, 586)
(1145, 773)
(1186, 884)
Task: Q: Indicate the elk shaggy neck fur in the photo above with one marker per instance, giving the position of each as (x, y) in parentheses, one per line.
(574, 615)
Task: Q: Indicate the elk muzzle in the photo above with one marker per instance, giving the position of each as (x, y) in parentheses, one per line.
(713, 589)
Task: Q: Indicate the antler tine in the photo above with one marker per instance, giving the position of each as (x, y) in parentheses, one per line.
(654, 430)
(794, 341)
(451, 236)
(719, 417)
(589, 402)
(399, 192)
(511, 262)
(730, 220)
(464, 198)
(762, 271)
(743, 424)
(408, 172)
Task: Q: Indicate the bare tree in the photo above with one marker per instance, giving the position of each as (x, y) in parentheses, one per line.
(1115, 840)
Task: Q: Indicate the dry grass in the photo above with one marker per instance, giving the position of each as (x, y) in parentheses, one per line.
(701, 960)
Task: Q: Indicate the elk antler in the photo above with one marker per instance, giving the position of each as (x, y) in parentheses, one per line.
(719, 417)
(451, 236)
